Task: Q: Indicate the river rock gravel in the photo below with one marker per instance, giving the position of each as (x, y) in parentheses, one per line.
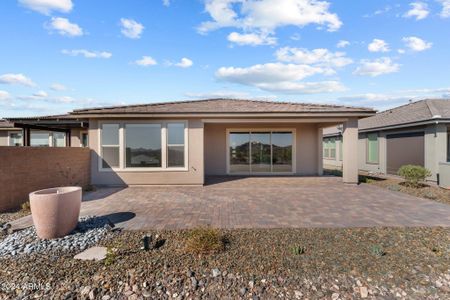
(89, 231)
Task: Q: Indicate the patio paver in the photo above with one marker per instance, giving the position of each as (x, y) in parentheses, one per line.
(264, 202)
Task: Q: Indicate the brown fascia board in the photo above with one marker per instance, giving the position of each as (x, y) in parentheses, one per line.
(358, 114)
(404, 125)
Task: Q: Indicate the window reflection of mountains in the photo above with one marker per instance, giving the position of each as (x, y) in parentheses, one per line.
(143, 156)
(246, 146)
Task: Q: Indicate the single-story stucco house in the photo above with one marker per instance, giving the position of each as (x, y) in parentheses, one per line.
(416, 133)
(182, 142)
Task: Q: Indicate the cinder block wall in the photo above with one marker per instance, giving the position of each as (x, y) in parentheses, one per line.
(27, 169)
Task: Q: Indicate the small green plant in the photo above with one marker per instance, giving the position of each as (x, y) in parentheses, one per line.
(205, 240)
(378, 251)
(25, 206)
(298, 250)
(430, 195)
(110, 256)
(394, 187)
(413, 174)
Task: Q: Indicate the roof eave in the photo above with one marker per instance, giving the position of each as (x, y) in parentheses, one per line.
(409, 124)
(357, 114)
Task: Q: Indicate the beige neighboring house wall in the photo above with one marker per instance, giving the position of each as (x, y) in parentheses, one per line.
(4, 135)
(429, 117)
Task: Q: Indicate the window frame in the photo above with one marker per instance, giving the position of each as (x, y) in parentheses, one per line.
(327, 148)
(101, 146)
(84, 132)
(256, 130)
(167, 144)
(122, 145)
(448, 144)
(367, 149)
(9, 138)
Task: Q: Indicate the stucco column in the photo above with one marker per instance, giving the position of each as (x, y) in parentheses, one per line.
(350, 152)
(320, 151)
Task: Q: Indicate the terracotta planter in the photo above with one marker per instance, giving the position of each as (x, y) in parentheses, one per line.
(55, 211)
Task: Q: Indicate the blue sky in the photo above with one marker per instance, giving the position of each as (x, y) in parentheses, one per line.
(58, 55)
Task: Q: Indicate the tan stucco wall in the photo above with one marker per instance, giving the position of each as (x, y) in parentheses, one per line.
(193, 176)
(75, 140)
(3, 138)
(307, 152)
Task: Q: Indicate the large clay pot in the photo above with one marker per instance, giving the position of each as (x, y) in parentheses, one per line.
(55, 211)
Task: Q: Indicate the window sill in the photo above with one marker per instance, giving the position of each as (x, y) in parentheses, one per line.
(145, 170)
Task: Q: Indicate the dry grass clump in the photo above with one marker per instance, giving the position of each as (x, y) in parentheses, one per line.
(205, 240)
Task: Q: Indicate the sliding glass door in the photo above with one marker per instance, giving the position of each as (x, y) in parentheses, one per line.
(253, 152)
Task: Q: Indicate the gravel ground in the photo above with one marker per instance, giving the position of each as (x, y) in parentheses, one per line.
(6, 217)
(382, 263)
(427, 191)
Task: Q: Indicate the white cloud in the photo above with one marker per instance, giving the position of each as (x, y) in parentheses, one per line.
(279, 77)
(184, 63)
(131, 29)
(401, 51)
(377, 67)
(47, 6)
(166, 2)
(218, 95)
(87, 53)
(445, 12)
(16, 79)
(378, 45)
(63, 27)
(342, 44)
(4, 95)
(265, 16)
(58, 87)
(416, 44)
(251, 39)
(320, 57)
(146, 61)
(393, 98)
(41, 94)
(419, 10)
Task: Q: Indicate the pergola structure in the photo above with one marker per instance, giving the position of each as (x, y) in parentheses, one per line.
(58, 123)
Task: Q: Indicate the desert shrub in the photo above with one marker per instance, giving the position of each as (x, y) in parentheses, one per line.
(298, 250)
(111, 256)
(378, 251)
(26, 206)
(205, 240)
(413, 174)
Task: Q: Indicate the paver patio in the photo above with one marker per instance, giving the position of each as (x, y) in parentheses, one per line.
(264, 202)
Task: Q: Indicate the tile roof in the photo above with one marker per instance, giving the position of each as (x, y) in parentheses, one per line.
(6, 124)
(222, 106)
(419, 111)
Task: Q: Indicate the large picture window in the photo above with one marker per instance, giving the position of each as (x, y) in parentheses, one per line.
(143, 146)
(110, 146)
(260, 151)
(39, 139)
(372, 148)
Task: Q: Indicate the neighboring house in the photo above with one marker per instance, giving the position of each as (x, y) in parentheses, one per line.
(9, 136)
(44, 131)
(416, 133)
(182, 142)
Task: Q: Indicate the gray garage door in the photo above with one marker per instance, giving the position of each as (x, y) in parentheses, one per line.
(404, 149)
